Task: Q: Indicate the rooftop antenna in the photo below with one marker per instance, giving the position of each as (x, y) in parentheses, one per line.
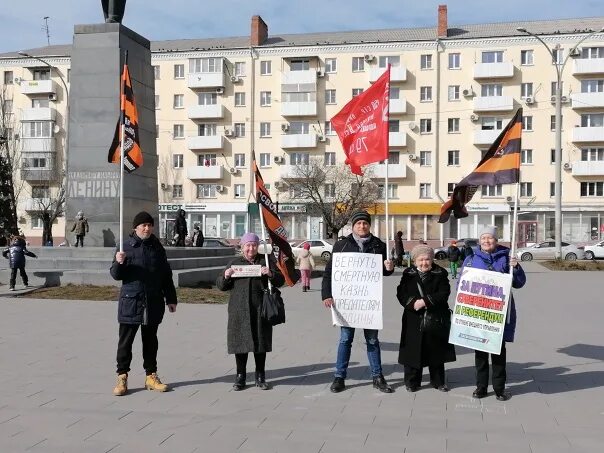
(46, 29)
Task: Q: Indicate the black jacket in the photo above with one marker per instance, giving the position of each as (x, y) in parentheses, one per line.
(348, 244)
(453, 253)
(147, 284)
(16, 254)
(180, 225)
(198, 238)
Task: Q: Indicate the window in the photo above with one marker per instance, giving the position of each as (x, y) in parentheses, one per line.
(526, 156)
(592, 86)
(453, 157)
(177, 191)
(157, 102)
(239, 190)
(558, 56)
(331, 65)
(492, 56)
(491, 89)
(526, 189)
(206, 130)
(425, 61)
(395, 93)
(38, 104)
(239, 160)
(330, 159)
(554, 88)
(206, 190)
(330, 96)
(40, 192)
(157, 131)
(425, 158)
(490, 123)
(356, 91)
(454, 60)
(425, 190)
(239, 129)
(179, 101)
(207, 99)
(527, 123)
(206, 160)
(392, 191)
(552, 122)
(552, 156)
(179, 131)
(265, 129)
(592, 189)
(177, 160)
(393, 126)
(394, 157)
(265, 98)
(36, 221)
(299, 127)
(295, 191)
(299, 159)
(179, 72)
(299, 65)
(240, 68)
(239, 99)
(425, 94)
(592, 52)
(453, 92)
(8, 77)
(450, 188)
(330, 190)
(592, 120)
(552, 189)
(201, 65)
(491, 191)
(526, 89)
(358, 64)
(156, 72)
(425, 126)
(41, 74)
(526, 57)
(392, 60)
(453, 125)
(35, 162)
(592, 154)
(7, 106)
(265, 67)
(38, 129)
(328, 129)
(265, 159)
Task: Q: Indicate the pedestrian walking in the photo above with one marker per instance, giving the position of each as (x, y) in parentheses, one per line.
(453, 254)
(306, 263)
(399, 249)
(15, 254)
(180, 228)
(197, 237)
(80, 228)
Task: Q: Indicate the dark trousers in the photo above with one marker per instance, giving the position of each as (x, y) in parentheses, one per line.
(241, 361)
(13, 276)
(413, 376)
(124, 347)
(79, 240)
(482, 369)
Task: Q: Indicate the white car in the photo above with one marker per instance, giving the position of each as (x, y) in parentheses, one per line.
(595, 251)
(268, 247)
(318, 247)
(547, 251)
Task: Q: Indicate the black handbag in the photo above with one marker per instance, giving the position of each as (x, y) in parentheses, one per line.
(273, 308)
(436, 323)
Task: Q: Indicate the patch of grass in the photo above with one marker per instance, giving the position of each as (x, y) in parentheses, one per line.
(562, 265)
(111, 293)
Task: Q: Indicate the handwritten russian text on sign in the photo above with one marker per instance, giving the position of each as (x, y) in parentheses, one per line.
(249, 270)
(481, 306)
(356, 287)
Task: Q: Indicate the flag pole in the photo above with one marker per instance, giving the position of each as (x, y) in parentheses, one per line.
(122, 108)
(514, 225)
(262, 229)
(386, 161)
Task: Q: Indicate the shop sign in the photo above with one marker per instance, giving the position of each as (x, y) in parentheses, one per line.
(283, 208)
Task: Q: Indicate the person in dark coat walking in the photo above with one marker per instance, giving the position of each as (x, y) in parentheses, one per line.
(399, 249)
(47, 240)
(424, 288)
(359, 241)
(453, 254)
(197, 237)
(16, 260)
(495, 257)
(180, 227)
(80, 228)
(247, 331)
(147, 287)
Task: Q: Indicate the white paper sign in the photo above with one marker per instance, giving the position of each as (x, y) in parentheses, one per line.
(246, 270)
(481, 306)
(356, 287)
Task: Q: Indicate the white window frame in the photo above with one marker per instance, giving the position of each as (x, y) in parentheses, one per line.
(454, 93)
(454, 60)
(177, 191)
(266, 68)
(265, 98)
(358, 64)
(179, 101)
(526, 90)
(239, 99)
(265, 129)
(205, 191)
(240, 68)
(453, 158)
(425, 62)
(425, 94)
(491, 56)
(527, 123)
(425, 190)
(239, 129)
(495, 191)
(179, 71)
(239, 191)
(178, 160)
(527, 57)
(331, 65)
(488, 90)
(425, 158)
(526, 189)
(265, 160)
(453, 125)
(425, 126)
(526, 156)
(178, 131)
(329, 159)
(239, 160)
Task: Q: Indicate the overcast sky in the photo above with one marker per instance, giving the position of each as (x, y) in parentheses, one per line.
(22, 24)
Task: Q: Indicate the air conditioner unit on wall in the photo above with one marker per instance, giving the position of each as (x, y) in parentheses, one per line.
(567, 166)
(468, 92)
(369, 58)
(235, 79)
(228, 133)
(321, 138)
(563, 99)
(474, 117)
(412, 157)
(285, 127)
(412, 126)
(17, 80)
(219, 188)
(220, 90)
(278, 159)
(233, 170)
(279, 184)
(320, 74)
(509, 199)
(529, 100)
(52, 97)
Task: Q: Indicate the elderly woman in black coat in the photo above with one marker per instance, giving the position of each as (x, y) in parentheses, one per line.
(424, 290)
(247, 331)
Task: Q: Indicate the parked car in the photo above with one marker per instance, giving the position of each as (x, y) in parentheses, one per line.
(546, 250)
(594, 251)
(440, 253)
(217, 242)
(269, 248)
(318, 247)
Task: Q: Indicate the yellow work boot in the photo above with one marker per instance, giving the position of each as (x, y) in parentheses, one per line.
(121, 388)
(152, 382)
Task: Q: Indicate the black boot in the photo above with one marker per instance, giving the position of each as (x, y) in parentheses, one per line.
(338, 385)
(380, 383)
(303, 288)
(239, 382)
(261, 381)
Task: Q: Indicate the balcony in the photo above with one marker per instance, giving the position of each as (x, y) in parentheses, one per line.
(588, 134)
(588, 168)
(493, 104)
(205, 142)
(203, 172)
(587, 100)
(298, 141)
(493, 70)
(398, 106)
(206, 80)
(38, 145)
(486, 137)
(39, 114)
(205, 111)
(36, 204)
(38, 174)
(397, 139)
(38, 86)
(395, 171)
(298, 77)
(299, 108)
(585, 66)
(397, 73)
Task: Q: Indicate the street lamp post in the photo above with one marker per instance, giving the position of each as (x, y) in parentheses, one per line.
(558, 128)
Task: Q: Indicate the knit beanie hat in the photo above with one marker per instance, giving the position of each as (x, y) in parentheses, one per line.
(142, 217)
(422, 250)
(360, 215)
(249, 237)
(489, 229)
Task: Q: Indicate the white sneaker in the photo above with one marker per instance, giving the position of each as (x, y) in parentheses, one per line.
(12, 289)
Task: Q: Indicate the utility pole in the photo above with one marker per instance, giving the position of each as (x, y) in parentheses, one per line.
(46, 29)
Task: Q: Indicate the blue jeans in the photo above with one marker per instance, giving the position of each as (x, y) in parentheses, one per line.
(345, 346)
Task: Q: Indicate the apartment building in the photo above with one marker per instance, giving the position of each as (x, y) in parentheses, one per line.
(453, 88)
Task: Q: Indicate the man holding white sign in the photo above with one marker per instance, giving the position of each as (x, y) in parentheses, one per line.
(352, 288)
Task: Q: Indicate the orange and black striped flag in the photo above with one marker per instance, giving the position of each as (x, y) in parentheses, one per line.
(276, 231)
(500, 165)
(133, 156)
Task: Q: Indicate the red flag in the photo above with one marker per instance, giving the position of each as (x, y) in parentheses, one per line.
(362, 125)
(133, 157)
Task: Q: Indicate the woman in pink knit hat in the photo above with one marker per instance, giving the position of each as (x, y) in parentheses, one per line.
(306, 263)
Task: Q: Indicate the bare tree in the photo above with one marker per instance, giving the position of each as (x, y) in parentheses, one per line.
(333, 190)
(49, 206)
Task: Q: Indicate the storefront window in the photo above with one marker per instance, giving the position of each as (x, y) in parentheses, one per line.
(211, 226)
(239, 225)
(433, 227)
(400, 224)
(571, 228)
(466, 227)
(417, 227)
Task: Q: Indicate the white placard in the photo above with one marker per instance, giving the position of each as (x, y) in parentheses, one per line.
(246, 270)
(356, 287)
